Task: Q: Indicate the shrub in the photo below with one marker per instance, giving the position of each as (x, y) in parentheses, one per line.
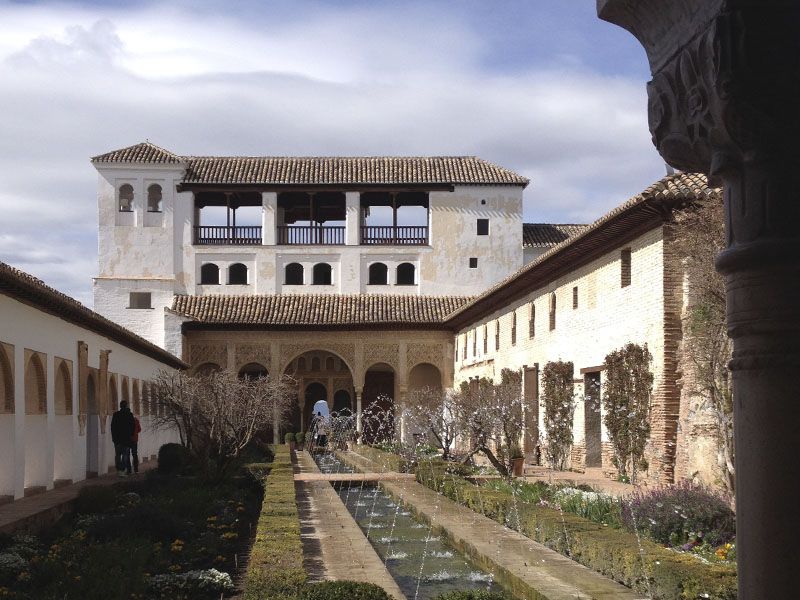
(472, 595)
(11, 564)
(343, 590)
(680, 514)
(559, 406)
(172, 458)
(299, 437)
(145, 519)
(288, 438)
(95, 499)
(193, 584)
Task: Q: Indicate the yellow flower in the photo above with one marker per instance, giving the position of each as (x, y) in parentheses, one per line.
(230, 535)
(219, 558)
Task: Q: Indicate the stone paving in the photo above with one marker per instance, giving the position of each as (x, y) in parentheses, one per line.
(553, 576)
(592, 476)
(345, 551)
(42, 510)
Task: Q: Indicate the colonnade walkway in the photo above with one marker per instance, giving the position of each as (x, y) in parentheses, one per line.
(513, 556)
(34, 513)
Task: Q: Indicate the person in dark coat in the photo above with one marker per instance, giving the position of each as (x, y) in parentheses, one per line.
(123, 427)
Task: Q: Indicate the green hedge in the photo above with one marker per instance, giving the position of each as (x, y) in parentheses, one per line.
(612, 552)
(343, 590)
(386, 460)
(276, 562)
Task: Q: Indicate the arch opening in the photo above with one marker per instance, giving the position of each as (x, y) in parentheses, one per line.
(253, 370)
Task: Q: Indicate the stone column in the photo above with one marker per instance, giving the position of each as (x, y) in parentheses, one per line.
(352, 218)
(723, 101)
(269, 215)
(358, 413)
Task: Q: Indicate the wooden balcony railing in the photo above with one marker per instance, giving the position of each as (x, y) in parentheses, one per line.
(387, 235)
(249, 235)
(316, 235)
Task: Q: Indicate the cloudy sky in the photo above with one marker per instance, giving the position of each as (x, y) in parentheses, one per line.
(540, 86)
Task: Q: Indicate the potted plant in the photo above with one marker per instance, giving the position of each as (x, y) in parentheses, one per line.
(517, 460)
(289, 439)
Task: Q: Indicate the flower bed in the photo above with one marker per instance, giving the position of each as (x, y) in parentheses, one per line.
(158, 537)
(637, 563)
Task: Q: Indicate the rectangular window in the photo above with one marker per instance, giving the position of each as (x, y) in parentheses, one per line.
(473, 263)
(575, 297)
(139, 300)
(483, 226)
(625, 267)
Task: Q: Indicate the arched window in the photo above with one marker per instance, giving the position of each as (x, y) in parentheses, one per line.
(514, 328)
(405, 274)
(35, 387)
(209, 274)
(145, 399)
(125, 197)
(63, 390)
(485, 339)
(136, 407)
(237, 274)
(552, 311)
(126, 395)
(315, 364)
(301, 363)
(293, 274)
(497, 335)
(6, 384)
(329, 366)
(154, 198)
(378, 274)
(474, 343)
(532, 322)
(322, 274)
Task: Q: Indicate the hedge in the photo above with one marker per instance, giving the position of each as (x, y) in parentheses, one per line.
(276, 561)
(612, 552)
(343, 590)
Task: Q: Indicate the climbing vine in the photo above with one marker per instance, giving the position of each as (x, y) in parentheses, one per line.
(626, 399)
(559, 406)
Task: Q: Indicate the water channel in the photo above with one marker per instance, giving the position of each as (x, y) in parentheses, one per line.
(421, 562)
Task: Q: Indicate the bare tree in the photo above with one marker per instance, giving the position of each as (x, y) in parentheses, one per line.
(217, 415)
(699, 239)
(433, 410)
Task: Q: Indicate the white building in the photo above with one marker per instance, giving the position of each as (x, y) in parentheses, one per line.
(194, 226)
(63, 371)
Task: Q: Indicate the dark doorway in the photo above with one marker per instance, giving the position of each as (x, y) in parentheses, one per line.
(315, 391)
(92, 430)
(591, 411)
(530, 390)
(341, 400)
(378, 405)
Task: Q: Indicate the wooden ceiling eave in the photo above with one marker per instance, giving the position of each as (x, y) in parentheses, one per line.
(583, 249)
(300, 187)
(387, 326)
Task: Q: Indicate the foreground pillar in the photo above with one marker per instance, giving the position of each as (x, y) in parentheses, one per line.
(723, 101)
(359, 425)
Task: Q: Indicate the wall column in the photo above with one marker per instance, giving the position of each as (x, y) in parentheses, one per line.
(269, 216)
(723, 101)
(352, 218)
(359, 425)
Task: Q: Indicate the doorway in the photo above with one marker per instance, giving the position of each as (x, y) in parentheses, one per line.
(592, 422)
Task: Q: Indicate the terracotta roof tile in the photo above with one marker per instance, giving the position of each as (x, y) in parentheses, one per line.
(139, 153)
(541, 235)
(322, 170)
(325, 310)
(28, 289)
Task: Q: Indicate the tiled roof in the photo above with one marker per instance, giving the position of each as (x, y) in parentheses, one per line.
(646, 209)
(541, 235)
(139, 153)
(322, 170)
(28, 289)
(323, 310)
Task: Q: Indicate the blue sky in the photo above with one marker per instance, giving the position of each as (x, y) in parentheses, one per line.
(540, 86)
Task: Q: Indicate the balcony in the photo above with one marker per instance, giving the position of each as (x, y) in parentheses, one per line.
(389, 235)
(316, 235)
(226, 235)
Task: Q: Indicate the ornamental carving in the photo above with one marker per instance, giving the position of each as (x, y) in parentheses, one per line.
(253, 353)
(424, 353)
(288, 352)
(382, 353)
(342, 383)
(205, 353)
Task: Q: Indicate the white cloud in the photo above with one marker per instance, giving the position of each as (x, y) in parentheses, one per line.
(79, 81)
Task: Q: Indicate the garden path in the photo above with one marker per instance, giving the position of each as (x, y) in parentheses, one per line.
(346, 554)
(504, 551)
(35, 513)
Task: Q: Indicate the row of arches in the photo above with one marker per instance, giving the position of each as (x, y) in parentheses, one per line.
(405, 274)
(126, 197)
(35, 375)
(237, 274)
(321, 274)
